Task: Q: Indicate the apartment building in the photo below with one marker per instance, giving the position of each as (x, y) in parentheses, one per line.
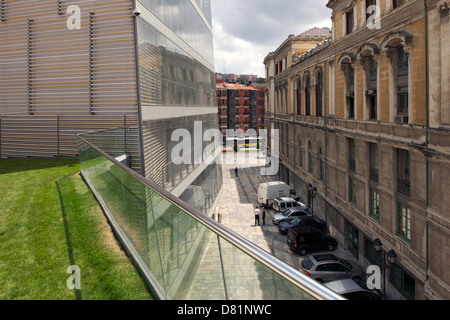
(73, 67)
(238, 107)
(364, 117)
(260, 106)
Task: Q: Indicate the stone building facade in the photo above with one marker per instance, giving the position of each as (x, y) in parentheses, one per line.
(364, 117)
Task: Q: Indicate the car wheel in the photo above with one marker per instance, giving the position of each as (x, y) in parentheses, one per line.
(331, 247)
(302, 251)
(319, 281)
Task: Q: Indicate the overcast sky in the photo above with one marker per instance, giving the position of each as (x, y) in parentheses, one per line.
(246, 31)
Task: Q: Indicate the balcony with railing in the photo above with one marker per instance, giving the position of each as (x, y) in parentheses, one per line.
(404, 186)
(373, 174)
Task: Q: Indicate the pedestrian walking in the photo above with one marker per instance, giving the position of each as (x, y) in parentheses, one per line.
(257, 213)
(236, 171)
(263, 213)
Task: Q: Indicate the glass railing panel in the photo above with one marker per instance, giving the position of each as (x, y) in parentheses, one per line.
(182, 253)
(246, 277)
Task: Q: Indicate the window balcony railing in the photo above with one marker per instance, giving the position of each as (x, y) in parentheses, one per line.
(352, 165)
(404, 186)
(402, 69)
(373, 174)
(182, 253)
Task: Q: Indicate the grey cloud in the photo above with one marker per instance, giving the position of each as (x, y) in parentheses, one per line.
(268, 21)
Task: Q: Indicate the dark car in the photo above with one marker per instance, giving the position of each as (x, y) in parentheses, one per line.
(303, 221)
(302, 240)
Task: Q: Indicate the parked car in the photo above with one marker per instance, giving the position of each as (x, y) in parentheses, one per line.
(302, 221)
(326, 267)
(289, 213)
(302, 240)
(353, 290)
(283, 203)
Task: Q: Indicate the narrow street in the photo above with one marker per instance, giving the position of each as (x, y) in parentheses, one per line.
(238, 200)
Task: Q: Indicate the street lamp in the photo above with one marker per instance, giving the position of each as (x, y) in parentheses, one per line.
(391, 257)
(312, 194)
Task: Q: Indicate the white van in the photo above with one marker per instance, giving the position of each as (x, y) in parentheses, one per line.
(269, 191)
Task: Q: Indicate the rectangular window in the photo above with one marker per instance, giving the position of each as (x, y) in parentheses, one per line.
(371, 254)
(397, 3)
(349, 21)
(373, 67)
(403, 282)
(403, 221)
(351, 107)
(373, 161)
(402, 62)
(301, 158)
(353, 240)
(369, 4)
(352, 190)
(402, 101)
(374, 204)
(373, 108)
(403, 178)
(351, 78)
(351, 154)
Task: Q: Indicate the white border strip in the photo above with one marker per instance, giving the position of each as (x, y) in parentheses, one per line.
(200, 12)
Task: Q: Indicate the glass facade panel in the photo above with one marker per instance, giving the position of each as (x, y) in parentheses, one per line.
(183, 18)
(168, 75)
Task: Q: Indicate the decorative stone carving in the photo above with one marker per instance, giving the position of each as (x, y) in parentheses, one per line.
(443, 8)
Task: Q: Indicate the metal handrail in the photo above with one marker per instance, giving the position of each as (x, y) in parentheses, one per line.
(279, 267)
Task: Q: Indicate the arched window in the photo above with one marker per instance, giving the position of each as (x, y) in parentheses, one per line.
(368, 57)
(402, 81)
(346, 63)
(299, 96)
(310, 158)
(319, 91)
(397, 47)
(307, 83)
(301, 154)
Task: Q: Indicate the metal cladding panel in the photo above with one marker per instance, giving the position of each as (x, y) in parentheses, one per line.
(25, 135)
(155, 150)
(52, 64)
(55, 136)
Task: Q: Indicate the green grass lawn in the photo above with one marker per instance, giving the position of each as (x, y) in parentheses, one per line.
(50, 220)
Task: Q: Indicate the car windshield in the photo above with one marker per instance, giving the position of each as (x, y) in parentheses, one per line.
(307, 264)
(287, 212)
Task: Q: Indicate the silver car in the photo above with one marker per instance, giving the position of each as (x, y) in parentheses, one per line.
(326, 267)
(353, 290)
(289, 213)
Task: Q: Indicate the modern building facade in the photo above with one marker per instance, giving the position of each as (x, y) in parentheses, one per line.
(363, 117)
(68, 68)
